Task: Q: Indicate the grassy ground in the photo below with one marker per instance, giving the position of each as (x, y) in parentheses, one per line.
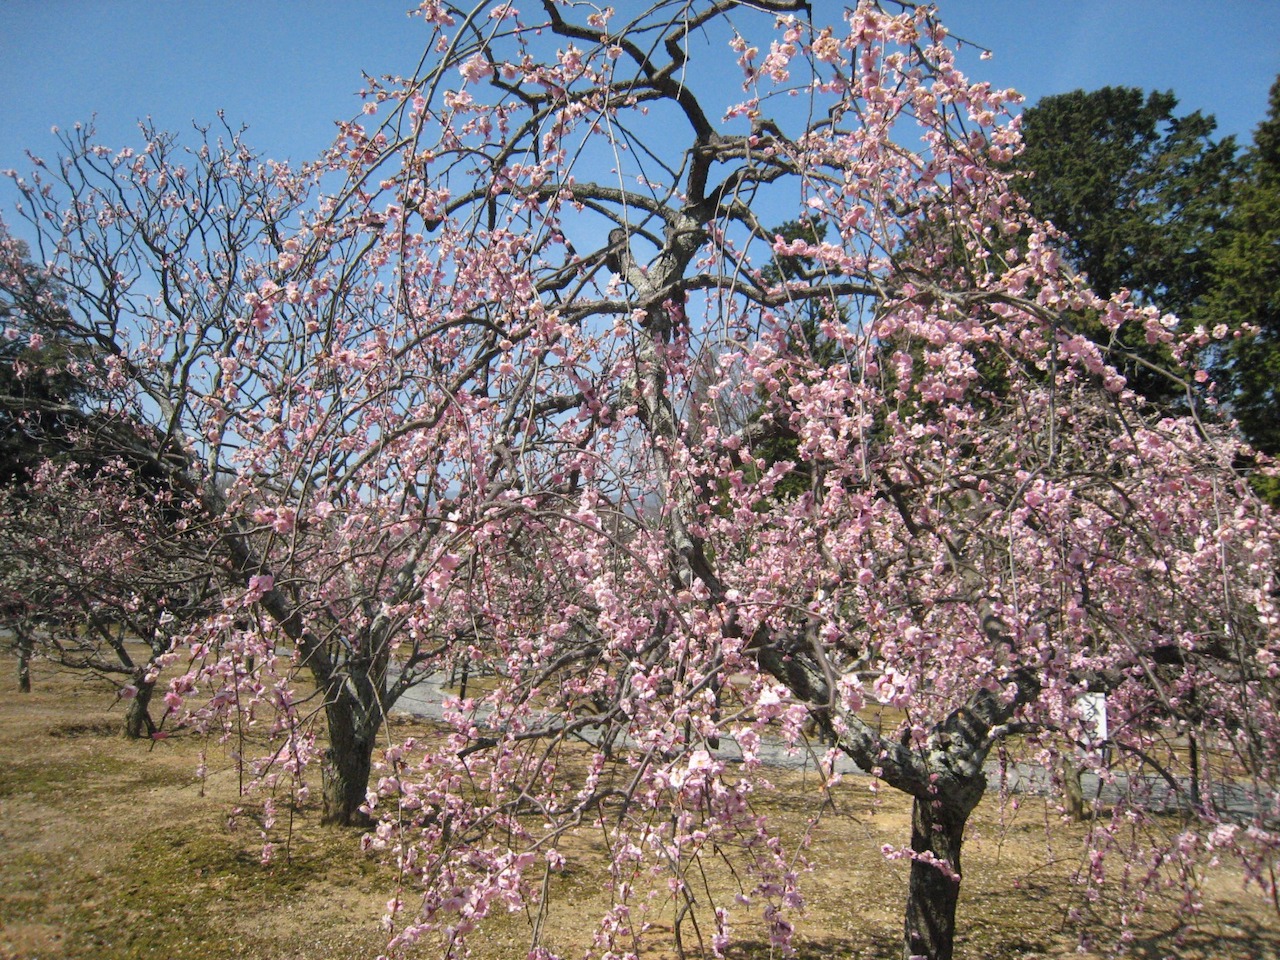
(111, 849)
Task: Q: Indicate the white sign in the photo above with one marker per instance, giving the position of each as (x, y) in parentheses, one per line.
(1093, 711)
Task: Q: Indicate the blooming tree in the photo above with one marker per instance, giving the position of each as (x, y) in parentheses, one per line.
(96, 568)
(169, 261)
(514, 388)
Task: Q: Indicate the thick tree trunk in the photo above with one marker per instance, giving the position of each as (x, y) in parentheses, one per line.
(348, 762)
(937, 829)
(1072, 789)
(137, 717)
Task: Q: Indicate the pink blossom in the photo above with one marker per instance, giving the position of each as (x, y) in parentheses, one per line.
(475, 68)
(826, 48)
(259, 585)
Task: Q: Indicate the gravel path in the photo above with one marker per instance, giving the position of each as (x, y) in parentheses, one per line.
(425, 700)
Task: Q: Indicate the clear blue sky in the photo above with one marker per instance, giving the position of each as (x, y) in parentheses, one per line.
(289, 69)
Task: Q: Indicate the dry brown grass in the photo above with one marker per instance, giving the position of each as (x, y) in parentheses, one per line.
(111, 849)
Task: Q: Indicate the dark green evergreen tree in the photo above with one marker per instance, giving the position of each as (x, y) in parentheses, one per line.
(1140, 195)
(41, 393)
(1246, 289)
(1139, 191)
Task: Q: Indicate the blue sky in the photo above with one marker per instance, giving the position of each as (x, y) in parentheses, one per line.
(1218, 56)
(289, 69)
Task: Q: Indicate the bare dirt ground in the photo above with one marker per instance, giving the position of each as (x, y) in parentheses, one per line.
(112, 849)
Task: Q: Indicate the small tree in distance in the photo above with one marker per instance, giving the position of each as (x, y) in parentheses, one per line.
(485, 396)
(93, 561)
(75, 519)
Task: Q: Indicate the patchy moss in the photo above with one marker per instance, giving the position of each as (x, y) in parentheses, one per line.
(54, 780)
(99, 777)
(200, 895)
(96, 727)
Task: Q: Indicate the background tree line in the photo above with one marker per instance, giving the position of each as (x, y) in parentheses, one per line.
(1150, 201)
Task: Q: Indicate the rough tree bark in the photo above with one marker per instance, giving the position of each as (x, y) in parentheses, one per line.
(347, 764)
(137, 717)
(937, 834)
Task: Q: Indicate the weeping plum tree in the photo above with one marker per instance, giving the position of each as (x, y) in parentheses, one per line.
(513, 387)
(992, 525)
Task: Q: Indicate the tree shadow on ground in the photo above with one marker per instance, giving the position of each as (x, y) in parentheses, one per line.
(1236, 936)
(860, 947)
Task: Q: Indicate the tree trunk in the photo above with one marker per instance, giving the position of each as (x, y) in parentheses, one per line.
(348, 762)
(1193, 760)
(937, 828)
(26, 647)
(462, 684)
(137, 717)
(1072, 789)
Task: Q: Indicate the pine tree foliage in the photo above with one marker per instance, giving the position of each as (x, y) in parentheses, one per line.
(40, 392)
(1246, 288)
(1140, 194)
(1138, 190)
